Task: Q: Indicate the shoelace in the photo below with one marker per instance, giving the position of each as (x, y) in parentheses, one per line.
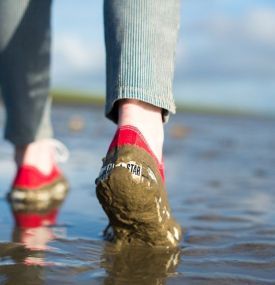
(62, 153)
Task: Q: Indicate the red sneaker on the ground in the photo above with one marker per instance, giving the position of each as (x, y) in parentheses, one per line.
(131, 190)
(34, 196)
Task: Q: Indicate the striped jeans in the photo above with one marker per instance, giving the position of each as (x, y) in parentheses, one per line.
(140, 39)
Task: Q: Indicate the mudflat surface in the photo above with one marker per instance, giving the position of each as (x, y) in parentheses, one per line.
(221, 184)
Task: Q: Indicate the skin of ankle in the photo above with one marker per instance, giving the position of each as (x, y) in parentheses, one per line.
(38, 154)
(147, 119)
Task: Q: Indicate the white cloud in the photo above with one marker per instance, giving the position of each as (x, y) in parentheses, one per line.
(257, 24)
(233, 46)
(260, 25)
(73, 53)
(77, 62)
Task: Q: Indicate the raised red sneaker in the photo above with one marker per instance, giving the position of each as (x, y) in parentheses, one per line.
(131, 190)
(129, 135)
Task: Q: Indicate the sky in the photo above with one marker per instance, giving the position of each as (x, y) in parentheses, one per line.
(225, 54)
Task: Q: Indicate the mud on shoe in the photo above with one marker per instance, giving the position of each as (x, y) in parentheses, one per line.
(131, 190)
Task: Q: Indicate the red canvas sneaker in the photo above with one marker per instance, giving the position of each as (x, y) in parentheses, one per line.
(35, 198)
(32, 185)
(131, 190)
(34, 192)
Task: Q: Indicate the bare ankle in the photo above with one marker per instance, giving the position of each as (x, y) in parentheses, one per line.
(147, 118)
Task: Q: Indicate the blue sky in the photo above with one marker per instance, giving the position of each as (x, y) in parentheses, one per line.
(225, 53)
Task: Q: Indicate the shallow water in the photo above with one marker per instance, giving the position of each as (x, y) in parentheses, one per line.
(221, 184)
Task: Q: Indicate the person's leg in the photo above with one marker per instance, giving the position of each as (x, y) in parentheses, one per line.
(140, 37)
(25, 38)
(140, 41)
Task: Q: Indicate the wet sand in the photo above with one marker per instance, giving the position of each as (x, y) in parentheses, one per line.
(221, 185)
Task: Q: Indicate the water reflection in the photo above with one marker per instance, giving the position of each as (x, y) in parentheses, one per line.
(25, 257)
(17, 271)
(35, 241)
(33, 228)
(139, 265)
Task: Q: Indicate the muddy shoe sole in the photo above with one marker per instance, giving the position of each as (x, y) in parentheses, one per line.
(131, 192)
(38, 200)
